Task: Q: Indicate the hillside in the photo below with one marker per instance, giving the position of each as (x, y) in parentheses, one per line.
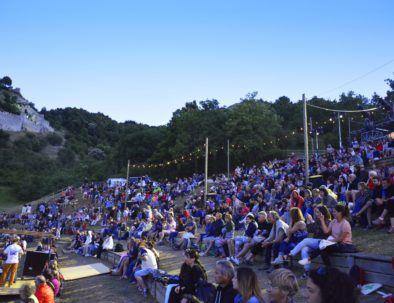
(78, 144)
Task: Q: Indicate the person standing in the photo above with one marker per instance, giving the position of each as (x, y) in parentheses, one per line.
(13, 253)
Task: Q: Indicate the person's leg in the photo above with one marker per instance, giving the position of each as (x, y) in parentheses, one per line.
(238, 242)
(14, 268)
(369, 216)
(210, 243)
(230, 245)
(244, 250)
(268, 255)
(6, 269)
(307, 242)
(365, 207)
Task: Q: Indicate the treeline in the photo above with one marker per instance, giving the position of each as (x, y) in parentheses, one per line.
(93, 146)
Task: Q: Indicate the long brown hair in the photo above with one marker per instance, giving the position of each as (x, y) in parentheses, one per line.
(296, 215)
(248, 285)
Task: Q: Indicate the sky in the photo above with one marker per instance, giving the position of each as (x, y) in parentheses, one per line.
(143, 60)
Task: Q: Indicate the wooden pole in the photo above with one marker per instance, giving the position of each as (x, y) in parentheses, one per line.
(306, 147)
(228, 159)
(206, 171)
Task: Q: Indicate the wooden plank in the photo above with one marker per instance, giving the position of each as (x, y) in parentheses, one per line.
(373, 266)
(84, 271)
(27, 233)
(374, 277)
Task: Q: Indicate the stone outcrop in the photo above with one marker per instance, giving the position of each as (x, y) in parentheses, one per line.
(29, 119)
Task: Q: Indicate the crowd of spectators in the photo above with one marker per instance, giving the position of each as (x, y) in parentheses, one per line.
(266, 209)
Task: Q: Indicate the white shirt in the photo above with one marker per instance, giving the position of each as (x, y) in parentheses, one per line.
(13, 252)
(151, 261)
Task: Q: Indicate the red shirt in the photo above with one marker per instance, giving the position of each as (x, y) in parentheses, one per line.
(45, 294)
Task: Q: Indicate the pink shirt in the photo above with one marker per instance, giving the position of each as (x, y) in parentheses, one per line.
(339, 228)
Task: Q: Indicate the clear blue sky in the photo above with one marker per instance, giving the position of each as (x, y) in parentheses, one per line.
(142, 60)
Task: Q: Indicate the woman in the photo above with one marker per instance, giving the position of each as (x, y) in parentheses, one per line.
(192, 271)
(329, 199)
(170, 227)
(227, 235)
(340, 232)
(330, 285)
(247, 284)
(180, 228)
(282, 286)
(296, 200)
(295, 234)
(310, 245)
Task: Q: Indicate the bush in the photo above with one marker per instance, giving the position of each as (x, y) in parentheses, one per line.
(54, 139)
(4, 138)
(66, 156)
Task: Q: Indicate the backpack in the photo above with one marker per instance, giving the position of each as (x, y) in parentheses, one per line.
(119, 247)
(357, 275)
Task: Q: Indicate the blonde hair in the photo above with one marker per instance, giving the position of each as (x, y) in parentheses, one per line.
(285, 280)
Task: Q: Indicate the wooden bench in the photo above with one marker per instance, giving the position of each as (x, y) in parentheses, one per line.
(112, 257)
(377, 269)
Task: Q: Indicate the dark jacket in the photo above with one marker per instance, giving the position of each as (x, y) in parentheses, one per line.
(189, 277)
(224, 295)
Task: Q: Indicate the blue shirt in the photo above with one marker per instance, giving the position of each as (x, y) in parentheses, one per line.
(252, 299)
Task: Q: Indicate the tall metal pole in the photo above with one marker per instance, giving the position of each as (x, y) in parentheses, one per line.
(317, 143)
(306, 147)
(127, 178)
(311, 132)
(206, 171)
(339, 130)
(350, 136)
(228, 159)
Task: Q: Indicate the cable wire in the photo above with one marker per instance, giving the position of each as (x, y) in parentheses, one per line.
(343, 110)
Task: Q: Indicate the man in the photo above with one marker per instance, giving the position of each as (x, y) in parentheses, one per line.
(388, 200)
(13, 253)
(44, 292)
(375, 204)
(224, 273)
(148, 266)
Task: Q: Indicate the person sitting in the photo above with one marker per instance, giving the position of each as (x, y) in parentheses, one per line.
(277, 235)
(148, 266)
(340, 233)
(247, 284)
(388, 206)
(209, 219)
(170, 226)
(189, 235)
(44, 292)
(227, 235)
(245, 240)
(295, 234)
(262, 232)
(26, 293)
(224, 273)
(216, 232)
(310, 245)
(361, 198)
(330, 285)
(329, 199)
(282, 286)
(375, 203)
(192, 272)
(179, 229)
